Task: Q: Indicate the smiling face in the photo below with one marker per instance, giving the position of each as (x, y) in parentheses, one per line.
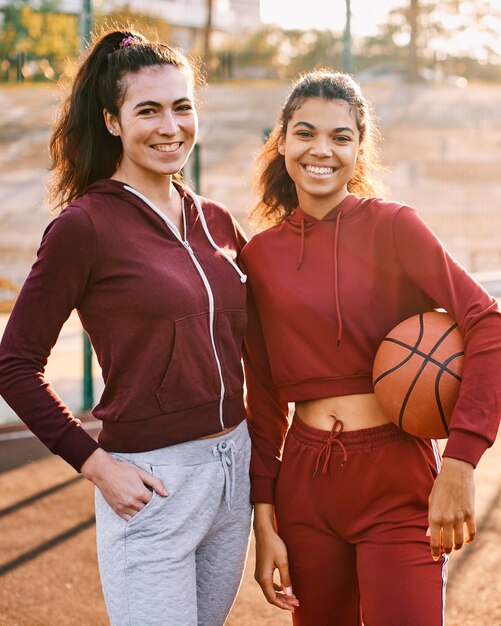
(157, 124)
(320, 147)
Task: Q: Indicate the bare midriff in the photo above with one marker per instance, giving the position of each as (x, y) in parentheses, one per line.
(355, 411)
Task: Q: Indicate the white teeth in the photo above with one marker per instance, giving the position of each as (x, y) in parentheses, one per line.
(163, 147)
(319, 170)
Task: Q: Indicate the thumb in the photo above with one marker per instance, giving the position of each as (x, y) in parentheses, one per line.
(285, 579)
(154, 482)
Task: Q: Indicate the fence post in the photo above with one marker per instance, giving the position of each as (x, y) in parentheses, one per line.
(87, 383)
(196, 168)
(86, 18)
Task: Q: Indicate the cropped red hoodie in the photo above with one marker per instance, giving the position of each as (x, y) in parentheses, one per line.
(322, 296)
(165, 314)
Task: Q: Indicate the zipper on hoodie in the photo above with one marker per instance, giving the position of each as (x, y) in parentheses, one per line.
(173, 228)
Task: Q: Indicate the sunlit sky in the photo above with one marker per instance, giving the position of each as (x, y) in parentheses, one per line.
(365, 14)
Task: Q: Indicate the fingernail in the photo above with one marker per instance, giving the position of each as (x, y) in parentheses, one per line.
(288, 591)
(435, 558)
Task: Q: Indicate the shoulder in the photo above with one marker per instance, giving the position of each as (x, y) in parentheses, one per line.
(72, 220)
(265, 245)
(217, 215)
(380, 209)
(214, 211)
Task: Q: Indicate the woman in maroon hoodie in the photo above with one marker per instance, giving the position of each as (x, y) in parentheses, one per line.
(151, 269)
(348, 516)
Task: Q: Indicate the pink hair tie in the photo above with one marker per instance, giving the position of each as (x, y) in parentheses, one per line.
(130, 40)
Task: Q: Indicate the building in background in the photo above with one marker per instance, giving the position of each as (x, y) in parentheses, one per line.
(188, 18)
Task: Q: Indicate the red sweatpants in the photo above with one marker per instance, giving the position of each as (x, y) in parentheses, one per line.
(352, 508)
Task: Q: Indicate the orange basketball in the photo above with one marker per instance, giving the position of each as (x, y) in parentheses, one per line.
(417, 372)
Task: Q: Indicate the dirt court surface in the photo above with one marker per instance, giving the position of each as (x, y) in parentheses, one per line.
(443, 148)
(48, 567)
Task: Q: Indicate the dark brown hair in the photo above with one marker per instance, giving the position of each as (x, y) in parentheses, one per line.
(81, 147)
(276, 190)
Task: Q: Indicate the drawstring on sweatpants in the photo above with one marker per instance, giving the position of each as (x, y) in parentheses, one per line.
(337, 429)
(226, 452)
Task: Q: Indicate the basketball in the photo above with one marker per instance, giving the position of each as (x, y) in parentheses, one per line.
(417, 373)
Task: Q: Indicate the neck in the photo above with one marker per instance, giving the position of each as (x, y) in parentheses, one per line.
(320, 207)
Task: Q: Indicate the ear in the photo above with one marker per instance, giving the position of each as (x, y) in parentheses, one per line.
(281, 146)
(111, 122)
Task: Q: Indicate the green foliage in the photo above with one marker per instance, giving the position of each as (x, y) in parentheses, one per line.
(38, 34)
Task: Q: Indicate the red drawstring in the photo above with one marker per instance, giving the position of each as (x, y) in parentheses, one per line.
(301, 253)
(336, 272)
(337, 429)
(336, 281)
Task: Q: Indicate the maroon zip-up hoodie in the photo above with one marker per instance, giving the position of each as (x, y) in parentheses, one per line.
(323, 295)
(165, 316)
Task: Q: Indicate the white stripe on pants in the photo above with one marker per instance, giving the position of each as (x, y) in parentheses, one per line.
(179, 561)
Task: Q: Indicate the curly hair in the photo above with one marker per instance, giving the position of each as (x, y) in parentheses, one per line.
(276, 190)
(81, 148)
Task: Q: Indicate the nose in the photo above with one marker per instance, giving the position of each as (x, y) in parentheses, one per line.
(321, 147)
(168, 124)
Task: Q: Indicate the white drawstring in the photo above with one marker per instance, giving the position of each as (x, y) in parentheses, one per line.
(226, 452)
(243, 277)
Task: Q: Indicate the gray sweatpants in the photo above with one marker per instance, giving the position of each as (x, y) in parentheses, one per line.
(179, 561)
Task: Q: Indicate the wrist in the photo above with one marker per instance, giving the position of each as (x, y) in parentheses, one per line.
(264, 518)
(94, 467)
(449, 462)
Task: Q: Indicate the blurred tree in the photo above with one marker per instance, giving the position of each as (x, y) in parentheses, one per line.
(40, 33)
(208, 35)
(413, 61)
(272, 51)
(125, 17)
(431, 34)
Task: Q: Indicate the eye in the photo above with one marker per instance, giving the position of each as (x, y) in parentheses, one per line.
(304, 134)
(184, 108)
(147, 111)
(342, 138)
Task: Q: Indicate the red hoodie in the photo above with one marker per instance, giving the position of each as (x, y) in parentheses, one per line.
(165, 315)
(323, 295)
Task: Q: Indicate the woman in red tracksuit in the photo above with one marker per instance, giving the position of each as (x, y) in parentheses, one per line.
(350, 513)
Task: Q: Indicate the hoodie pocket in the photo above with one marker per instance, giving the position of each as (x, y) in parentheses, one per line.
(192, 377)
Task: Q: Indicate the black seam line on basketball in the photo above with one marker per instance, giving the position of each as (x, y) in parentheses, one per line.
(44, 547)
(438, 400)
(412, 351)
(37, 496)
(425, 362)
(437, 390)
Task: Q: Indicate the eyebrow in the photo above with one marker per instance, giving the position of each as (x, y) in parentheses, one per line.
(150, 103)
(340, 129)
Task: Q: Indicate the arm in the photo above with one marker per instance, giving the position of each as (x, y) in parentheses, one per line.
(475, 418)
(271, 554)
(267, 416)
(268, 423)
(56, 285)
(59, 282)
